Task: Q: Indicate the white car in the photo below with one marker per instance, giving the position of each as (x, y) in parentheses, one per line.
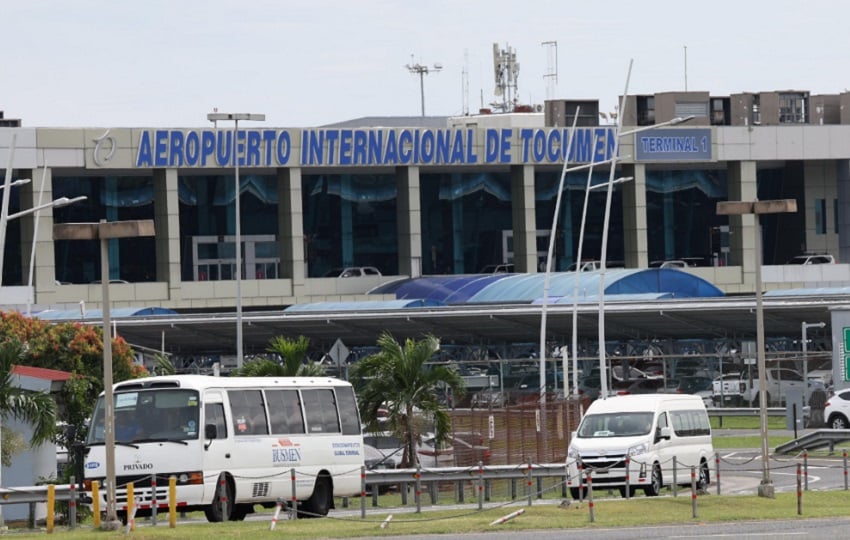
(837, 411)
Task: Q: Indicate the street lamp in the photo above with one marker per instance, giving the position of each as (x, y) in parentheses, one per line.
(805, 326)
(104, 231)
(421, 70)
(236, 117)
(756, 208)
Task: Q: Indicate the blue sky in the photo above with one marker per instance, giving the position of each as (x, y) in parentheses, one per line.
(111, 63)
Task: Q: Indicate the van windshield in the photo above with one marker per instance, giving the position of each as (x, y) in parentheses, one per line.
(615, 425)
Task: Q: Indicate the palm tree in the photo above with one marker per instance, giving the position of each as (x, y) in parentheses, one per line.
(398, 379)
(36, 408)
(292, 351)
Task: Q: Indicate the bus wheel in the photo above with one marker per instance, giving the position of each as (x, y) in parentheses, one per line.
(320, 501)
(214, 511)
(240, 511)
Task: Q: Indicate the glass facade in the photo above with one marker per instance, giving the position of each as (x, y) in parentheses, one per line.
(207, 219)
(13, 270)
(569, 222)
(112, 198)
(350, 220)
(681, 213)
(463, 219)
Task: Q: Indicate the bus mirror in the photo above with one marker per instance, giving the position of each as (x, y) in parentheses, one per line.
(210, 432)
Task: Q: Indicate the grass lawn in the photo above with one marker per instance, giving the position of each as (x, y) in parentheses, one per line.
(640, 511)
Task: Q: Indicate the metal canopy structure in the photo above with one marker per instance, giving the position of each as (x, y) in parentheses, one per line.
(705, 318)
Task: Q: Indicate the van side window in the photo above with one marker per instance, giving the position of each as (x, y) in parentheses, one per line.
(348, 410)
(690, 423)
(662, 423)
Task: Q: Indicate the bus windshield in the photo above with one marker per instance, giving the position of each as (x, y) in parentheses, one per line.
(149, 415)
(615, 425)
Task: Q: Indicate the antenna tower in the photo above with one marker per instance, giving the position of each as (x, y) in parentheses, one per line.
(506, 71)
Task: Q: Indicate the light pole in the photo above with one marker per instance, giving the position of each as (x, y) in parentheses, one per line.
(756, 208)
(236, 117)
(104, 231)
(422, 70)
(804, 327)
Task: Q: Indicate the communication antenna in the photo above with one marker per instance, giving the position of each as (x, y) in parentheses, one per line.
(551, 75)
(422, 70)
(506, 72)
(464, 83)
(686, 68)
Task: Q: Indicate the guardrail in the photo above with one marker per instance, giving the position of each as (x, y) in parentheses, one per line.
(744, 411)
(36, 494)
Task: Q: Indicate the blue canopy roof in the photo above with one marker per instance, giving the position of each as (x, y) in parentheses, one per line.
(364, 306)
(500, 288)
(78, 315)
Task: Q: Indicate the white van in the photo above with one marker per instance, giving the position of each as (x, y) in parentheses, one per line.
(648, 429)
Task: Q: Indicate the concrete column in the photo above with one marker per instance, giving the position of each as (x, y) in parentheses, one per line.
(634, 217)
(523, 218)
(409, 219)
(290, 219)
(742, 187)
(842, 180)
(44, 271)
(167, 223)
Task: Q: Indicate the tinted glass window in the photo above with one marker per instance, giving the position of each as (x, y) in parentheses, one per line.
(349, 417)
(285, 412)
(249, 415)
(214, 413)
(690, 423)
(320, 410)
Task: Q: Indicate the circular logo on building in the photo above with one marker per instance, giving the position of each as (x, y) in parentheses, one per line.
(104, 149)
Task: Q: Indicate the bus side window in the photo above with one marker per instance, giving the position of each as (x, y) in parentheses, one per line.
(320, 409)
(284, 412)
(214, 414)
(249, 415)
(348, 414)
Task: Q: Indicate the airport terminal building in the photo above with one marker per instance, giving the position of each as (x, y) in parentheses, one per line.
(428, 196)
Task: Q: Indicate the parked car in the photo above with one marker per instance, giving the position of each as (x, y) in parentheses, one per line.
(727, 389)
(390, 446)
(812, 258)
(431, 454)
(641, 386)
(697, 385)
(488, 398)
(375, 460)
(497, 269)
(353, 271)
(837, 410)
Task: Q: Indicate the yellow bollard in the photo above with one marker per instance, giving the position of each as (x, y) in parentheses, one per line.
(51, 503)
(95, 501)
(172, 502)
(130, 503)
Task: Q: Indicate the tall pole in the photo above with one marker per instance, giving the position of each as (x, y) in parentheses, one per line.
(215, 117)
(108, 400)
(603, 375)
(805, 326)
(422, 90)
(766, 487)
(31, 293)
(238, 217)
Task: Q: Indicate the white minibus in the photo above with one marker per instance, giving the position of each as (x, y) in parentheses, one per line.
(652, 436)
(251, 430)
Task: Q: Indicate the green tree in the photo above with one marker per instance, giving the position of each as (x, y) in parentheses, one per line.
(292, 352)
(35, 408)
(398, 379)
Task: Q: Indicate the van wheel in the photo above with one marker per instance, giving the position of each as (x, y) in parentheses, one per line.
(655, 483)
(214, 511)
(627, 493)
(704, 476)
(578, 493)
(320, 501)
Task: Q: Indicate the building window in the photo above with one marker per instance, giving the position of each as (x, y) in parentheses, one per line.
(756, 110)
(820, 216)
(835, 213)
(792, 108)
